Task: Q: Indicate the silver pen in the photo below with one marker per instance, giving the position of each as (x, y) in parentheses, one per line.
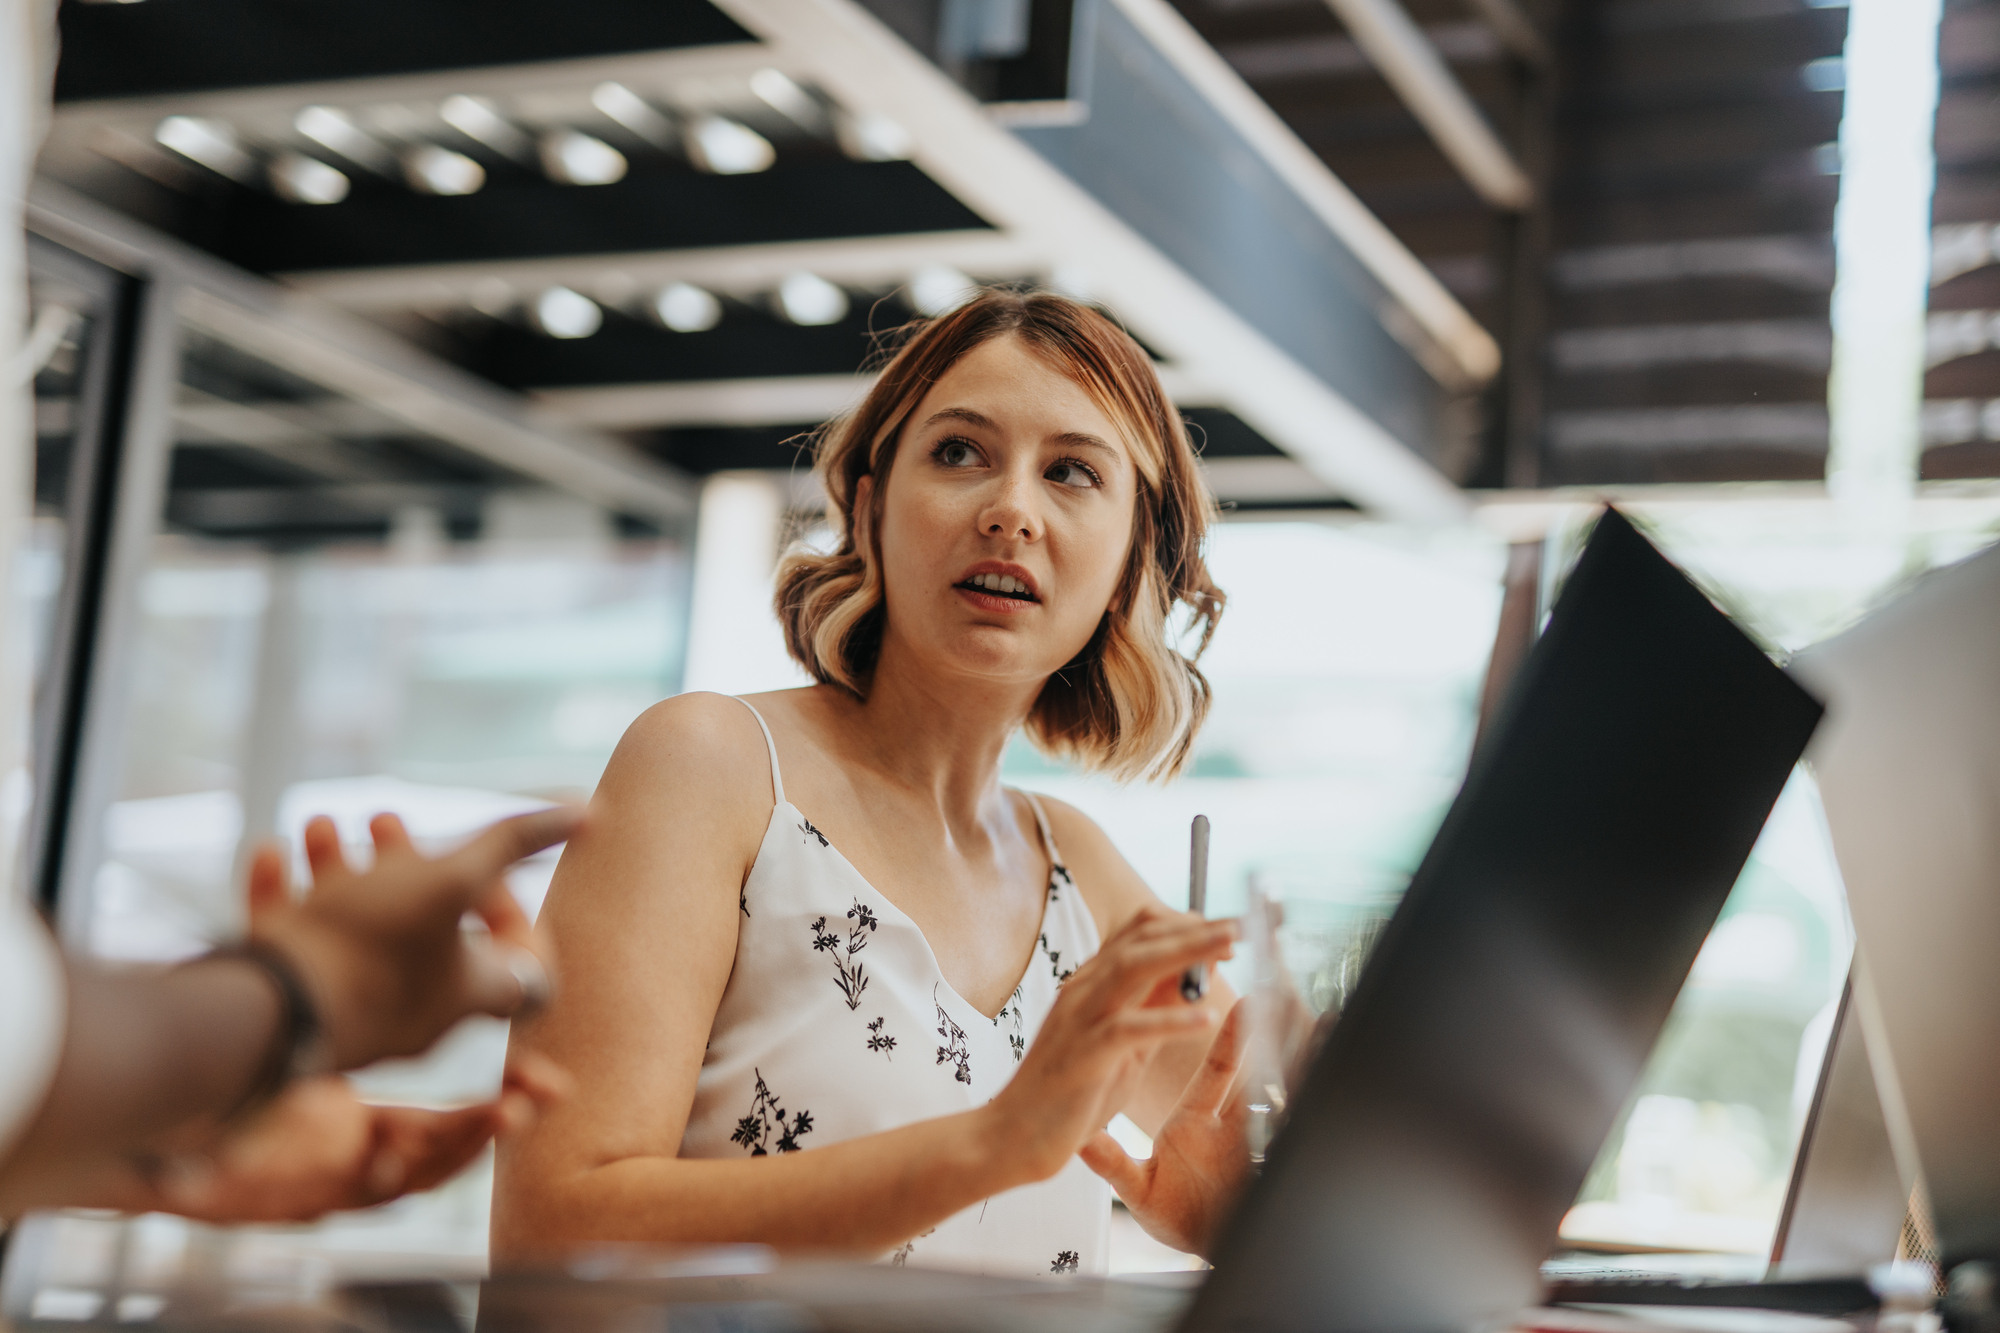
(1194, 981)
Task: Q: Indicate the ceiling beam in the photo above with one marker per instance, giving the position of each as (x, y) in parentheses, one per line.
(870, 262)
(1413, 67)
(867, 68)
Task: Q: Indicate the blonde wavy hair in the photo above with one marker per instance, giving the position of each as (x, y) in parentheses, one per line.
(1129, 704)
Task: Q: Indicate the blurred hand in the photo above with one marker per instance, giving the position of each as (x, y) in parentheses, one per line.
(382, 952)
(1110, 1017)
(318, 1148)
(1184, 1191)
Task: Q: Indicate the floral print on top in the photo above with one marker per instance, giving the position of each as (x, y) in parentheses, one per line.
(832, 983)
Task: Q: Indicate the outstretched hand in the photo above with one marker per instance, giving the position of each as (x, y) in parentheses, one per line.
(1182, 1194)
(381, 951)
(318, 1148)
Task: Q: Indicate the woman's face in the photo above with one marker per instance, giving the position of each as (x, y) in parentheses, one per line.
(1006, 519)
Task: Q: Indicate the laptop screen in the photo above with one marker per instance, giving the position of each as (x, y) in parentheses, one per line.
(1504, 1018)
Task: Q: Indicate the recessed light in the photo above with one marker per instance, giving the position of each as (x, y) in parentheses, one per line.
(575, 158)
(686, 308)
(808, 299)
(720, 145)
(563, 313)
(300, 179)
(937, 289)
(430, 169)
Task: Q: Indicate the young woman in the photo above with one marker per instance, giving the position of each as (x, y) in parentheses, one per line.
(828, 983)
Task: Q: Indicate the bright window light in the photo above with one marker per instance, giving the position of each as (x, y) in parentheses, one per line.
(1882, 240)
(562, 313)
(937, 289)
(720, 145)
(433, 170)
(572, 157)
(209, 142)
(807, 298)
(686, 308)
(300, 179)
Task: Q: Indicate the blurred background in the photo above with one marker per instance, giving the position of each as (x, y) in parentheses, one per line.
(421, 390)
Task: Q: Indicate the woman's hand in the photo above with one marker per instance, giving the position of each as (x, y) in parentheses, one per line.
(381, 950)
(1091, 1050)
(318, 1148)
(1183, 1193)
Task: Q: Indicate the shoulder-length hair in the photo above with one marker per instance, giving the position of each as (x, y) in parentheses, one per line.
(1131, 702)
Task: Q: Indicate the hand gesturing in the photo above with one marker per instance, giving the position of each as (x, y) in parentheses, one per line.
(1182, 1194)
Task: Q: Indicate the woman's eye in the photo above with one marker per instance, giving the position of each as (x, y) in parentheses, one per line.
(1069, 472)
(957, 453)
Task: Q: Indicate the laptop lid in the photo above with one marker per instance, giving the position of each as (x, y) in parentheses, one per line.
(1909, 770)
(1844, 1209)
(1504, 1018)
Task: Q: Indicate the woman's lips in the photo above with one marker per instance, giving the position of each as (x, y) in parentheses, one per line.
(993, 601)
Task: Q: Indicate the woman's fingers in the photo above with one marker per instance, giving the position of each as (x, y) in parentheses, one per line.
(541, 1079)
(1102, 1154)
(474, 868)
(323, 852)
(502, 979)
(269, 884)
(1140, 962)
(430, 1147)
(389, 834)
(1208, 1091)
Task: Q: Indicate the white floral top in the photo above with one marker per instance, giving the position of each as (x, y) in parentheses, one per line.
(837, 1023)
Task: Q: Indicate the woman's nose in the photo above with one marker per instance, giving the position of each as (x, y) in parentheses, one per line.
(1010, 511)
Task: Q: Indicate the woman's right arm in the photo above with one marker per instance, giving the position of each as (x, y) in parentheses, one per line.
(642, 915)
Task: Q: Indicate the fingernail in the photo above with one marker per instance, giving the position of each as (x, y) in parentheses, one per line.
(533, 979)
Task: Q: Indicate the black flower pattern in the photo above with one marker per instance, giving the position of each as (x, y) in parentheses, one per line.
(766, 1118)
(1059, 880)
(1065, 1262)
(878, 1040)
(901, 1256)
(1054, 956)
(743, 901)
(806, 827)
(954, 1051)
(1010, 1014)
(848, 973)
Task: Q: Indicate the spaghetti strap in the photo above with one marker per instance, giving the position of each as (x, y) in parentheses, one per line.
(1042, 822)
(777, 782)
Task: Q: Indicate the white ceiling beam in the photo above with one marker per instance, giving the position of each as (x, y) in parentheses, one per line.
(734, 270)
(1413, 67)
(865, 67)
(1472, 349)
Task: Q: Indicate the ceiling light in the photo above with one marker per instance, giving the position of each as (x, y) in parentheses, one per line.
(209, 142)
(432, 170)
(869, 136)
(300, 179)
(686, 308)
(562, 313)
(479, 120)
(938, 289)
(721, 145)
(634, 112)
(788, 99)
(331, 128)
(575, 158)
(807, 298)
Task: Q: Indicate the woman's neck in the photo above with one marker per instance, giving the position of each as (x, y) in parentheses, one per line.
(935, 734)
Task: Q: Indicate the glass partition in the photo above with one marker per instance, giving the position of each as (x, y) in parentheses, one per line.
(340, 615)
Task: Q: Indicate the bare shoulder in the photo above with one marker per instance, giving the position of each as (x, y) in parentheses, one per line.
(1109, 884)
(693, 742)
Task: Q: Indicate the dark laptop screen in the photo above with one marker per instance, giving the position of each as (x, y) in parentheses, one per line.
(1504, 1019)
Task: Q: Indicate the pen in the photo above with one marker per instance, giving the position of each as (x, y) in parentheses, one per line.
(1194, 981)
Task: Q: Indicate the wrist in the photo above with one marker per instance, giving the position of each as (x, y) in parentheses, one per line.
(1009, 1152)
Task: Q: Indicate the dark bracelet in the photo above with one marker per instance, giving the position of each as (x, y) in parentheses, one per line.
(298, 1048)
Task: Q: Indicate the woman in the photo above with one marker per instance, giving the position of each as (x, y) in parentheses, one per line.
(819, 922)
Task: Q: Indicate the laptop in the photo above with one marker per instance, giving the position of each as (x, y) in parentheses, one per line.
(1448, 1120)
(1909, 770)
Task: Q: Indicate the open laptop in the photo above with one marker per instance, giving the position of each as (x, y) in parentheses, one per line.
(1449, 1119)
(1909, 770)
